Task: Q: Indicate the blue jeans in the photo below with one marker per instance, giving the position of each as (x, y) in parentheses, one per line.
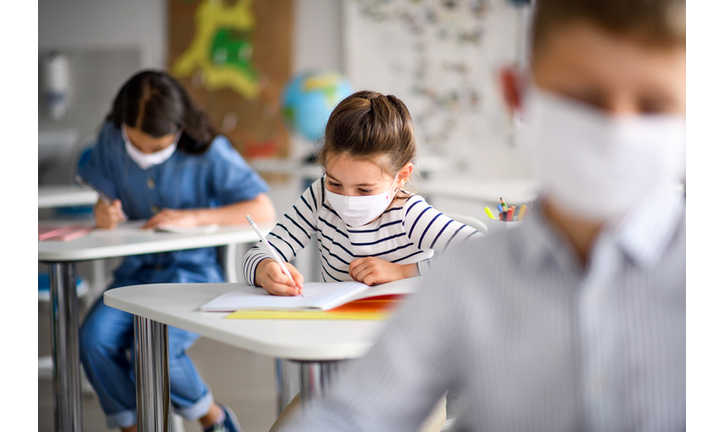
(107, 355)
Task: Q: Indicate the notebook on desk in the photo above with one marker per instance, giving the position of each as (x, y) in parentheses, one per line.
(199, 229)
(317, 296)
(62, 233)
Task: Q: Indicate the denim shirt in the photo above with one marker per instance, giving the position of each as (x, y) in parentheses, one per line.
(218, 177)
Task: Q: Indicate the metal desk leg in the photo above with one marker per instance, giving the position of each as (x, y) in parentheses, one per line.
(287, 380)
(316, 377)
(66, 360)
(152, 383)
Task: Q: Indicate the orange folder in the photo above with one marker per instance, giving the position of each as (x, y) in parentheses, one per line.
(369, 309)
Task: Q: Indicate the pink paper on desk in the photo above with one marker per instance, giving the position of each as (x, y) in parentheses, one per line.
(63, 233)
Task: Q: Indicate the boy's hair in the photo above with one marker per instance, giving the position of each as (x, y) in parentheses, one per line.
(368, 125)
(158, 105)
(657, 23)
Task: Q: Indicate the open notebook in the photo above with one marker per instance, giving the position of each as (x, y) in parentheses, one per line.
(199, 229)
(317, 296)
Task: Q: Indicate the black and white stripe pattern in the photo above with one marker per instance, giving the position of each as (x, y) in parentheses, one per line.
(532, 338)
(409, 231)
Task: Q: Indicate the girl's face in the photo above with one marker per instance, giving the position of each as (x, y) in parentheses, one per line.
(357, 177)
(146, 143)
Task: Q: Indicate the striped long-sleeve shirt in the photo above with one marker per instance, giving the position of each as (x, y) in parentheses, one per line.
(534, 340)
(409, 231)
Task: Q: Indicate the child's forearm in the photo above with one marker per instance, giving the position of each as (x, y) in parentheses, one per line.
(260, 209)
(410, 270)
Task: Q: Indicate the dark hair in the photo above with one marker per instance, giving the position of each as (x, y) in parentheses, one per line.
(656, 23)
(367, 125)
(158, 105)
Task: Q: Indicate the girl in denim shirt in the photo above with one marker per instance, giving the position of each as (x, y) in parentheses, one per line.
(161, 161)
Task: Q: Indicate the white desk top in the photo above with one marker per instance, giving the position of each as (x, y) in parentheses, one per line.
(128, 239)
(488, 191)
(64, 196)
(177, 305)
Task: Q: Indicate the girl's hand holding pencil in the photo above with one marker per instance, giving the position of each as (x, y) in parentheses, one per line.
(271, 277)
(276, 276)
(108, 215)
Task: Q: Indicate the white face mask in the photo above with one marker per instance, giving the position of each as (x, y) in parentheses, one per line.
(598, 166)
(147, 160)
(356, 211)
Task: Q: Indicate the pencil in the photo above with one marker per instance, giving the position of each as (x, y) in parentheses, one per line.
(505, 206)
(521, 212)
(511, 210)
(489, 213)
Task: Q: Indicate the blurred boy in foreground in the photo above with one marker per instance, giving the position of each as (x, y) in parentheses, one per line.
(576, 320)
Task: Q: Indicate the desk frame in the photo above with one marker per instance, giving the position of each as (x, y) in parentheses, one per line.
(64, 312)
(316, 348)
(66, 357)
(152, 365)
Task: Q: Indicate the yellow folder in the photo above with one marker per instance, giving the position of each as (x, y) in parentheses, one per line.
(372, 309)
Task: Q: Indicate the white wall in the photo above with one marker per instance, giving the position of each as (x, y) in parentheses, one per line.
(106, 42)
(317, 35)
(93, 24)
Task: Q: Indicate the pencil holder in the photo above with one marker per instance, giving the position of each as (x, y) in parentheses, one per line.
(499, 225)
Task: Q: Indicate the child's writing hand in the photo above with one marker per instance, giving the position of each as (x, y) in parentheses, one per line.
(372, 271)
(271, 277)
(185, 218)
(108, 215)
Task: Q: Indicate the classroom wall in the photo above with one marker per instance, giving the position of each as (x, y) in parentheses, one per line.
(105, 24)
(105, 42)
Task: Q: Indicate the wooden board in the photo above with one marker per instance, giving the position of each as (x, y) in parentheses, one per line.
(252, 123)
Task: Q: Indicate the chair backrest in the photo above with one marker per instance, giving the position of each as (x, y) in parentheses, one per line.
(470, 221)
(227, 257)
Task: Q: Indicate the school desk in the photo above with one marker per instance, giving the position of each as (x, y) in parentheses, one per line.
(50, 196)
(318, 346)
(127, 239)
(484, 191)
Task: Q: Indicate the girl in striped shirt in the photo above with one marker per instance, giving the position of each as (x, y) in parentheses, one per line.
(369, 229)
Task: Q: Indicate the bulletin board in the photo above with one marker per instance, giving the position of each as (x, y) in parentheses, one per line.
(234, 58)
(441, 58)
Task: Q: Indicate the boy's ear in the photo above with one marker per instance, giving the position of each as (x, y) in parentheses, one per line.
(510, 81)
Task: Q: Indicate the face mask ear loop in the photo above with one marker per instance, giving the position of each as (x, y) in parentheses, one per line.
(177, 138)
(394, 194)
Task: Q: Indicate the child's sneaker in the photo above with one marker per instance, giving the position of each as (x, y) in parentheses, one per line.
(229, 423)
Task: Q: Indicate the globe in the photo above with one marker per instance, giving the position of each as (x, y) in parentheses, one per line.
(309, 98)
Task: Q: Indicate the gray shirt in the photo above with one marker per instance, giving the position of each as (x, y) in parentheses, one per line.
(533, 339)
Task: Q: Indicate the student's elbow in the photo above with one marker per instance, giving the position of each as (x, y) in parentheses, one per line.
(262, 209)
